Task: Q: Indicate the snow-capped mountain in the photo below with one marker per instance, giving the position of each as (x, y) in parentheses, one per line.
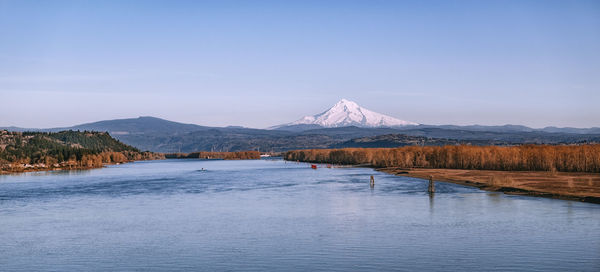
(348, 113)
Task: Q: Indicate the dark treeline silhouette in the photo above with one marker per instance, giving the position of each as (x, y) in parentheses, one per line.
(20, 151)
(567, 158)
(240, 155)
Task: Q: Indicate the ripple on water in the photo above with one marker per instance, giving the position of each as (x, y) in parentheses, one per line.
(269, 215)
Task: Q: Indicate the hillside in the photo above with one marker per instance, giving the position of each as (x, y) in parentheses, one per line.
(140, 125)
(183, 138)
(22, 151)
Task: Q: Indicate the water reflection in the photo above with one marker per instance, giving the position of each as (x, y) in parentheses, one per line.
(26, 175)
(431, 202)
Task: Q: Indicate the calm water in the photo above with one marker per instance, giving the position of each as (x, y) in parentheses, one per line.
(272, 215)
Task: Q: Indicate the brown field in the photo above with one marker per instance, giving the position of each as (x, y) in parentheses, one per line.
(561, 171)
(573, 186)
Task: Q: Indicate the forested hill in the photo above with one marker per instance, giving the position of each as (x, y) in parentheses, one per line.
(20, 151)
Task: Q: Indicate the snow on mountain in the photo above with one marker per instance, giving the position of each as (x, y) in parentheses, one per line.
(348, 113)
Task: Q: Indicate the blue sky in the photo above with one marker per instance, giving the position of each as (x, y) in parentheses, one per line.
(262, 63)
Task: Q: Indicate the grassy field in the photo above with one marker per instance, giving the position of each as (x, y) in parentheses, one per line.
(564, 185)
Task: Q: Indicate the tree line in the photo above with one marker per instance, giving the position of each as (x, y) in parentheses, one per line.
(566, 158)
(240, 155)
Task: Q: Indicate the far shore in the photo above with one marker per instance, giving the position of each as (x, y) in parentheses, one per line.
(562, 185)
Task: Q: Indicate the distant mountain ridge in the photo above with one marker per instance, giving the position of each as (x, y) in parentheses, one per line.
(159, 135)
(142, 124)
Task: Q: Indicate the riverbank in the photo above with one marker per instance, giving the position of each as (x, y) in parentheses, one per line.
(584, 158)
(560, 171)
(69, 165)
(562, 185)
(40, 169)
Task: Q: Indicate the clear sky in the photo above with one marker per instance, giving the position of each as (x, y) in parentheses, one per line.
(262, 63)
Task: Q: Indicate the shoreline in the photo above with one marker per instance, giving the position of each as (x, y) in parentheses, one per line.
(74, 166)
(29, 170)
(584, 187)
(33, 169)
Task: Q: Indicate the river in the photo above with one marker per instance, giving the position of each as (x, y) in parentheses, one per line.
(274, 215)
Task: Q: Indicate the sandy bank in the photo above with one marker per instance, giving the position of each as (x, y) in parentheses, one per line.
(572, 186)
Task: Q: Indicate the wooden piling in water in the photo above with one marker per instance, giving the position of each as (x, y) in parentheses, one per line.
(372, 183)
(431, 188)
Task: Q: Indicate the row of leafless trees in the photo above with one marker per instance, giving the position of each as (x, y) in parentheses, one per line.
(241, 155)
(568, 158)
(86, 161)
(97, 160)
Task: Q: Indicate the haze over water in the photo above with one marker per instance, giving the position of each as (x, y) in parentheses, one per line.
(272, 215)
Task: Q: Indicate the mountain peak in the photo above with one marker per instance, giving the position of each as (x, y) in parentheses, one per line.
(349, 113)
(347, 104)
